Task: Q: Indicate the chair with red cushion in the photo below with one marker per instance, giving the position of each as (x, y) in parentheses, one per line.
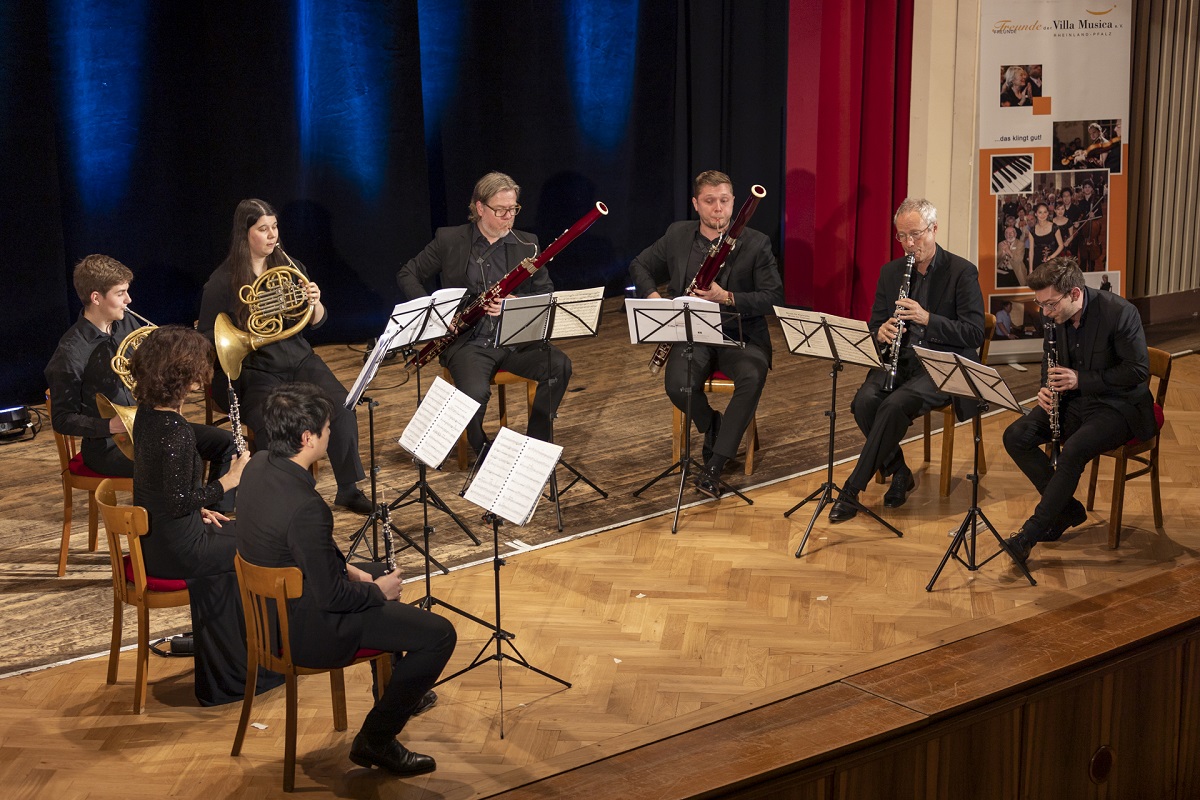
(717, 383)
(76, 475)
(1143, 453)
(131, 584)
(265, 592)
(500, 380)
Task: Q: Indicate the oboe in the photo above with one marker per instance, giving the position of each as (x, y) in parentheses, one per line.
(889, 383)
(235, 422)
(1051, 363)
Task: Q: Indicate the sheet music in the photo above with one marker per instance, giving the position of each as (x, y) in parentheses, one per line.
(578, 313)
(423, 318)
(523, 319)
(440, 419)
(509, 483)
(661, 320)
(852, 339)
(943, 368)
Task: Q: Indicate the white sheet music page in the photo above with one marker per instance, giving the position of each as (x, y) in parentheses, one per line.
(578, 312)
(440, 419)
(510, 480)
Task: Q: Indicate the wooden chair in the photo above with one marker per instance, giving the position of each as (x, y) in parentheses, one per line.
(717, 383)
(131, 584)
(501, 380)
(1144, 453)
(76, 475)
(265, 592)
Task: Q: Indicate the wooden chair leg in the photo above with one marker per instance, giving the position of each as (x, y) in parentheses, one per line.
(247, 702)
(143, 660)
(463, 458)
(947, 450)
(93, 522)
(337, 688)
(289, 737)
(114, 648)
(752, 445)
(1118, 503)
(928, 432)
(383, 674)
(1155, 494)
(502, 404)
(66, 534)
(1091, 501)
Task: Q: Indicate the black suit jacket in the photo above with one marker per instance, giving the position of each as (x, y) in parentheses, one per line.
(1112, 360)
(750, 272)
(283, 522)
(448, 256)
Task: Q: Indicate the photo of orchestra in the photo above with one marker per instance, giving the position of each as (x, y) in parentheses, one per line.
(598, 398)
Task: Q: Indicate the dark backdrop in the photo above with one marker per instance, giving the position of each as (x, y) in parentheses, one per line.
(134, 128)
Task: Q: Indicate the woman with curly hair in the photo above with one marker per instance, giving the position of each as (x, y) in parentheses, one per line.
(187, 541)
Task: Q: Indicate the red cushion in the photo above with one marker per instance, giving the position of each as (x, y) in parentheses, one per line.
(1159, 419)
(154, 584)
(366, 652)
(719, 376)
(76, 467)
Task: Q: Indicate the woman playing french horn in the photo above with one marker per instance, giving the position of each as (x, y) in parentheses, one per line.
(254, 251)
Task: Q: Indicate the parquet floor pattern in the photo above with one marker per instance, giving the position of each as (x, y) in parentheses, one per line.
(658, 633)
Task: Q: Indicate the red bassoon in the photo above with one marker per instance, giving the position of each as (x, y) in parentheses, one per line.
(477, 308)
(713, 263)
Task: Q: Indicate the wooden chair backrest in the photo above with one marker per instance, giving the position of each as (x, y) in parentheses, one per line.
(989, 330)
(1160, 367)
(265, 592)
(66, 444)
(129, 521)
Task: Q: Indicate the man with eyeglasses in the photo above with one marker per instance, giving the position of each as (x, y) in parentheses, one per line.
(476, 256)
(943, 311)
(748, 284)
(1103, 396)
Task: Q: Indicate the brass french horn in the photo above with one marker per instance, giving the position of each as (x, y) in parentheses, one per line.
(120, 365)
(108, 409)
(277, 297)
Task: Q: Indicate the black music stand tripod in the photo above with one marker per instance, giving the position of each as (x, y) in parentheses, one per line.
(536, 319)
(657, 321)
(959, 376)
(839, 340)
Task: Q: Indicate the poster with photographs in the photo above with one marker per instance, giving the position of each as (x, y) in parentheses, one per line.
(1051, 152)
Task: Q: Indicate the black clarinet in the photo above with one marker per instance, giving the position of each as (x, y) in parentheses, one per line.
(1055, 425)
(894, 354)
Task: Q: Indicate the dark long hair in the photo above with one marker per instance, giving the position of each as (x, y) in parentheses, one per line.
(241, 272)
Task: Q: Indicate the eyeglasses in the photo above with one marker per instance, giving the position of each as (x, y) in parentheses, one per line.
(912, 236)
(511, 211)
(1053, 304)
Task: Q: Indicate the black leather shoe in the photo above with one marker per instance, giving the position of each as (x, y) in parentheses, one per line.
(392, 756)
(1074, 514)
(1019, 546)
(842, 510)
(427, 702)
(354, 501)
(710, 436)
(708, 482)
(902, 483)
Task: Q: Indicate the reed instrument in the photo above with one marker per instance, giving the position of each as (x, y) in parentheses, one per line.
(120, 366)
(1055, 423)
(894, 349)
(474, 311)
(717, 254)
(389, 550)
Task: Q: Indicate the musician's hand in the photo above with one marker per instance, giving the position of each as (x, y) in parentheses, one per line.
(1063, 379)
(314, 293)
(233, 477)
(654, 296)
(910, 310)
(212, 517)
(390, 585)
(493, 308)
(115, 425)
(714, 293)
(1045, 399)
(356, 574)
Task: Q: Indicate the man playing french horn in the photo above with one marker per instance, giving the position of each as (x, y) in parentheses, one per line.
(942, 310)
(81, 368)
(283, 357)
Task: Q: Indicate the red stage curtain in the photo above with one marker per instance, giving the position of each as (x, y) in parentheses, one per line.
(849, 83)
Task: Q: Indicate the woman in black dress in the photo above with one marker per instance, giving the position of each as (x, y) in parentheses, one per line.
(187, 541)
(1045, 240)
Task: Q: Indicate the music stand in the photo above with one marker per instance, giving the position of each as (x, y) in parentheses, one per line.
(508, 482)
(687, 321)
(840, 340)
(536, 318)
(959, 376)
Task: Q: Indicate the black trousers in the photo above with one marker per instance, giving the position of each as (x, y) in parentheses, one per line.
(884, 418)
(746, 367)
(421, 641)
(1088, 429)
(254, 385)
(473, 367)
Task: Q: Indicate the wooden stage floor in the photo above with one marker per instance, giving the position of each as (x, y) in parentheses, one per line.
(660, 635)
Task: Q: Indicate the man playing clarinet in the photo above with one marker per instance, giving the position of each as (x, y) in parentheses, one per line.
(747, 283)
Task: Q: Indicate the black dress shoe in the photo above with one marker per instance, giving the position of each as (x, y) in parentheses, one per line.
(708, 482)
(843, 510)
(1074, 514)
(427, 702)
(902, 483)
(1019, 546)
(392, 756)
(354, 501)
(710, 436)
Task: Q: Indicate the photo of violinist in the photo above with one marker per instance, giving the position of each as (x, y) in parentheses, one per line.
(1065, 214)
(1088, 144)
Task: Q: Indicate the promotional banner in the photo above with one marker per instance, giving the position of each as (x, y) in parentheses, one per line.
(1053, 97)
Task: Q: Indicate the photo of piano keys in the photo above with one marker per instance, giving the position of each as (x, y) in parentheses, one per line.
(1012, 174)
